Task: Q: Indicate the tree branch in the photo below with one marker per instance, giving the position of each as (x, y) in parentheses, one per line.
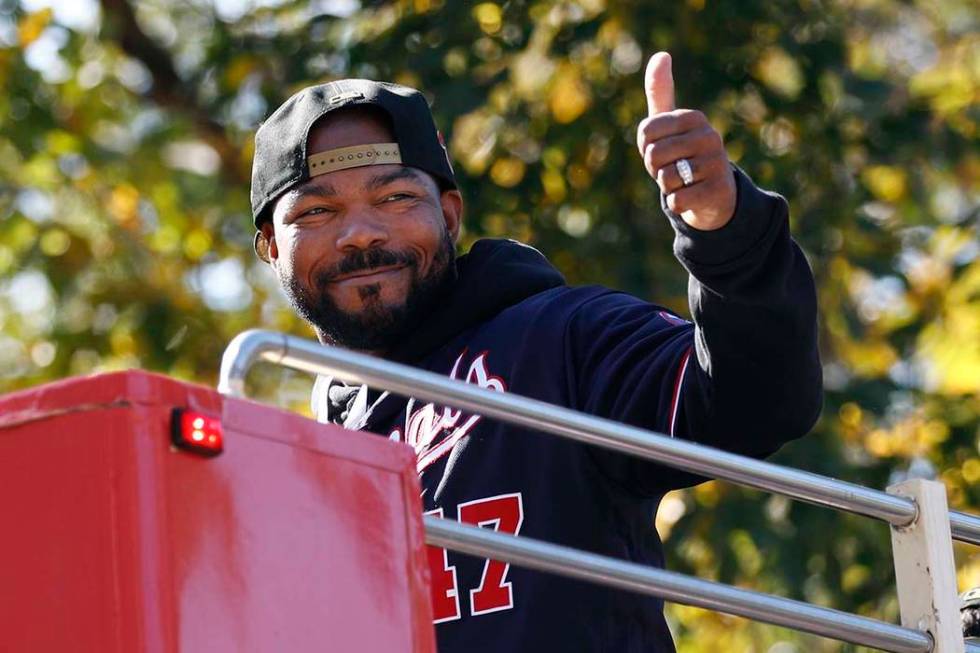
(169, 90)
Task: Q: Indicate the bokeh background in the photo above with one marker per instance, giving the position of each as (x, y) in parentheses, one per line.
(125, 234)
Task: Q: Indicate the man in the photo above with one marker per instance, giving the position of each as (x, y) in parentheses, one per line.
(358, 213)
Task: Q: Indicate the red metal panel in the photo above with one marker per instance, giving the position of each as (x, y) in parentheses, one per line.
(58, 580)
(299, 537)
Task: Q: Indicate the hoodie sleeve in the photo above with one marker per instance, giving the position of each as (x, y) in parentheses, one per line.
(744, 377)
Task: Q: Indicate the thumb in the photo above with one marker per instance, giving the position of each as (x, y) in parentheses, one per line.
(659, 83)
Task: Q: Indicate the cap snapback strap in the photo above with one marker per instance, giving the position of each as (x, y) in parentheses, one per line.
(352, 157)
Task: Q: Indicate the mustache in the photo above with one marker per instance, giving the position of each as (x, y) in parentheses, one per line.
(364, 260)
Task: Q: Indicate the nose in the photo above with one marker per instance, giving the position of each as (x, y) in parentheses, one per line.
(361, 232)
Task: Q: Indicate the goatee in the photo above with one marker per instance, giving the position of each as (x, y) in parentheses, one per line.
(378, 327)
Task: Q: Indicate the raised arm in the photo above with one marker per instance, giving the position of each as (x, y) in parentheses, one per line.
(757, 382)
(746, 377)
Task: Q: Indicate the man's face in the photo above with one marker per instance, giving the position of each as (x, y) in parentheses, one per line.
(363, 253)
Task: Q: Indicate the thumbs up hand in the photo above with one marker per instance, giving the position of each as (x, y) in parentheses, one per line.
(668, 137)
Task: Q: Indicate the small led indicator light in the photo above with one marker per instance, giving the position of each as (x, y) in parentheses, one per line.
(197, 432)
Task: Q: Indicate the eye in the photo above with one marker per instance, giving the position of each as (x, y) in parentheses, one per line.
(397, 197)
(312, 212)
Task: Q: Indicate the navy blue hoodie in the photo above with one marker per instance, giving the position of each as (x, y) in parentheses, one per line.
(744, 376)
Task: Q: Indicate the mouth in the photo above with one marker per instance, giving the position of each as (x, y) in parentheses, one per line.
(372, 275)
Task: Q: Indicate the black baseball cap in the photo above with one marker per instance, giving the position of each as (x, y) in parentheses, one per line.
(281, 159)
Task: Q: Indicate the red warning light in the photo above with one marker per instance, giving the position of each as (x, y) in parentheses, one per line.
(196, 432)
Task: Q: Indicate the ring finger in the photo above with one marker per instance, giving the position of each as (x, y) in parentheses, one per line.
(669, 177)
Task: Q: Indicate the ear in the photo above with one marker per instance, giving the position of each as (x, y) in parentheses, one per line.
(265, 243)
(452, 211)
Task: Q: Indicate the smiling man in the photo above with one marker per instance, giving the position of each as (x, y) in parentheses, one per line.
(358, 214)
(363, 282)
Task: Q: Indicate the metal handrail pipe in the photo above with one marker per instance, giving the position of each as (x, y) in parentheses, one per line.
(242, 352)
(672, 586)
(965, 527)
(352, 367)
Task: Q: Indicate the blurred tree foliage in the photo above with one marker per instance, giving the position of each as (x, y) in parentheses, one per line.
(125, 234)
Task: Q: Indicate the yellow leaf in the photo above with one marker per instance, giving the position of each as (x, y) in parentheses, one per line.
(569, 97)
(165, 240)
(62, 142)
(424, 6)
(554, 185)
(610, 33)
(969, 573)
(854, 577)
(21, 236)
(932, 432)
(707, 494)
(554, 157)
(879, 443)
(240, 68)
(971, 470)
(122, 342)
(780, 72)
(32, 26)
(746, 552)
(868, 358)
(950, 85)
(6, 259)
(55, 242)
(123, 204)
(454, 62)
(885, 182)
(197, 243)
(489, 16)
(850, 414)
(507, 171)
(952, 350)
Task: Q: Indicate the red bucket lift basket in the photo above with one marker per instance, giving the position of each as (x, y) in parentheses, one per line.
(297, 537)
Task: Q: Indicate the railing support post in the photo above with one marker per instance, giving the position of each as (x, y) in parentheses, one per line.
(924, 567)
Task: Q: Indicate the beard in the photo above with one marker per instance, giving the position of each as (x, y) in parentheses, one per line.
(378, 326)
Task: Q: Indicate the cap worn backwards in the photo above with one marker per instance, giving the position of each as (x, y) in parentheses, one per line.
(281, 158)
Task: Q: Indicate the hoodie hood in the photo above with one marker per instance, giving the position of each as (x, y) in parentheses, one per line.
(496, 274)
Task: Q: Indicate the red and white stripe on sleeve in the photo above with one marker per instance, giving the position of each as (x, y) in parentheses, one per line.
(675, 402)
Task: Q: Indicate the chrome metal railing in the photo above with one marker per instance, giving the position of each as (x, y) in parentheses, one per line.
(901, 512)
(673, 586)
